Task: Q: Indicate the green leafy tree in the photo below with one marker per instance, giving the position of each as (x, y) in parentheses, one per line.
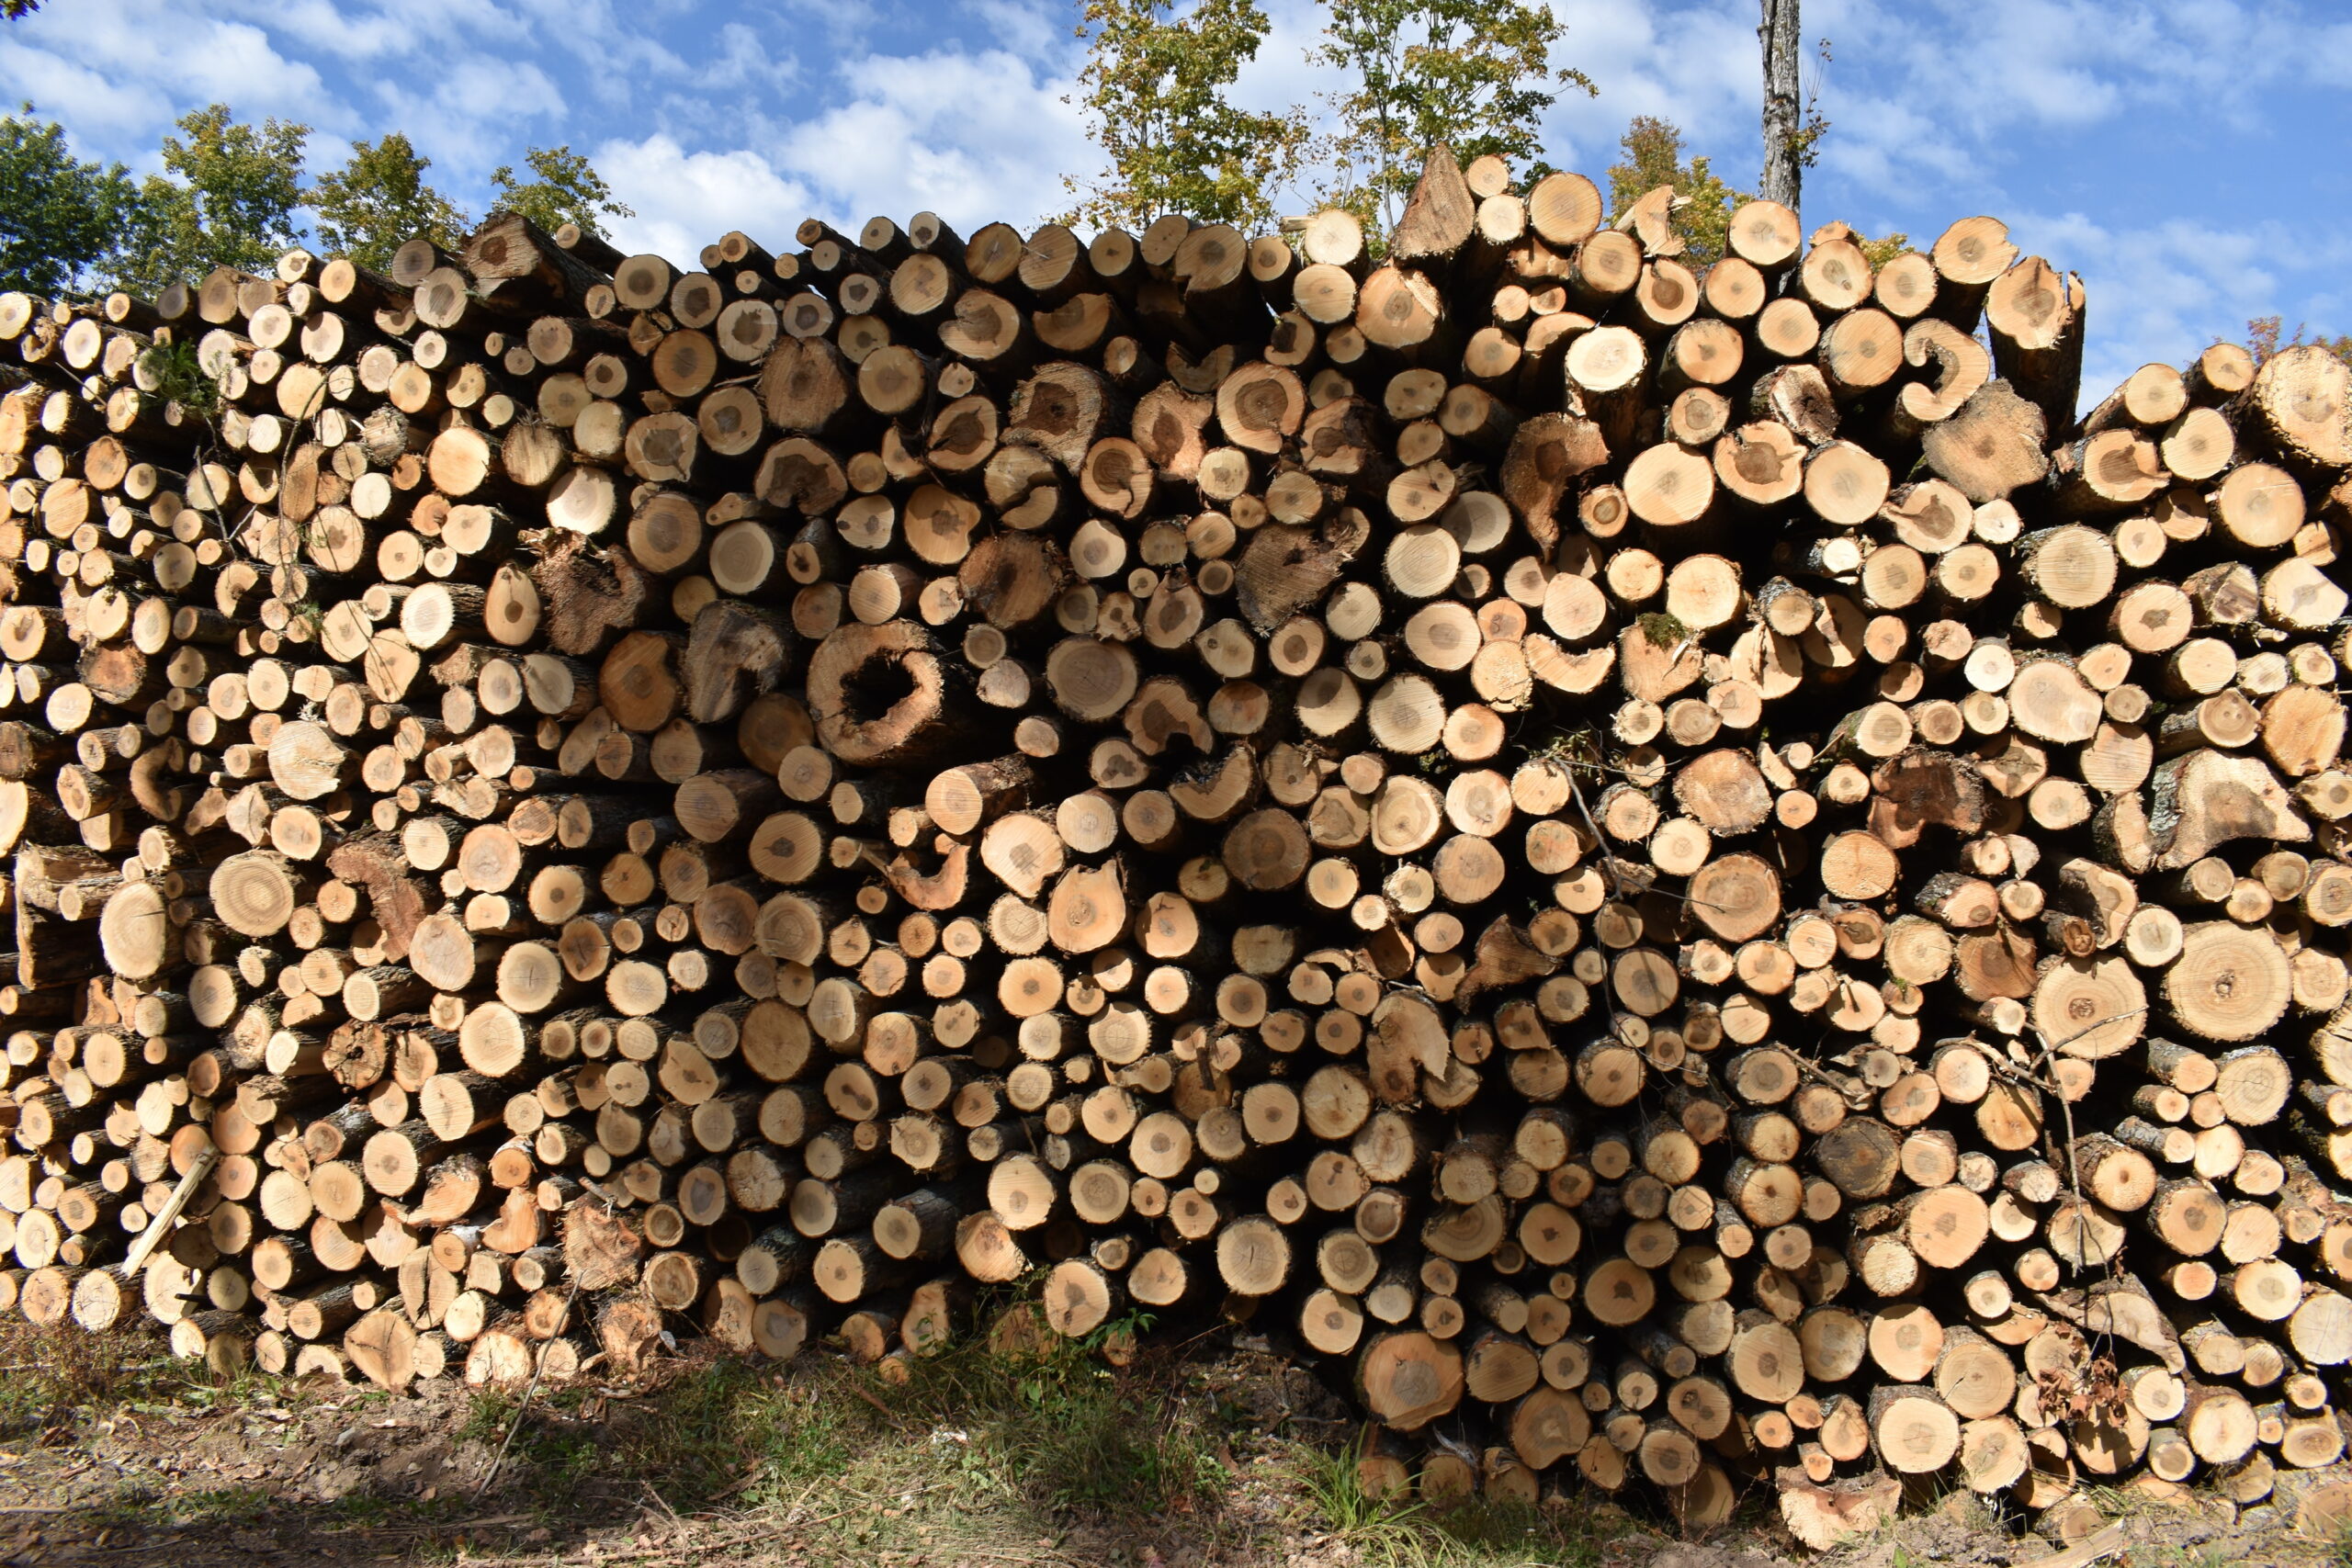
(15, 9)
(1474, 74)
(231, 204)
(1652, 156)
(378, 201)
(566, 189)
(58, 215)
(1883, 249)
(1154, 90)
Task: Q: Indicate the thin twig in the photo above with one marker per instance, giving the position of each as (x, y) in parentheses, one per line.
(2034, 1079)
(1608, 852)
(538, 1369)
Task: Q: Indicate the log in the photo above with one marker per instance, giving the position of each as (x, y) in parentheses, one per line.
(1231, 778)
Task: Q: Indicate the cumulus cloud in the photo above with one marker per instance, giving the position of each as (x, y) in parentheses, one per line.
(1034, 30)
(742, 65)
(685, 200)
(1695, 65)
(117, 71)
(618, 55)
(971, 136)
(842, 26)
(103, 114)
(342, 32)
(1970, 90)
(477, 114)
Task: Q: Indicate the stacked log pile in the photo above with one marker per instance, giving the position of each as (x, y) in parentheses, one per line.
(1678, 869)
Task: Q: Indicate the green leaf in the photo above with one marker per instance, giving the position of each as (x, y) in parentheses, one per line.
(1662, 630)
(1476, 75)
(59, 216)
(378, 201)
(1653, 157)
(1154, 92)
(231, 203)
(568, 189)
(180, 379)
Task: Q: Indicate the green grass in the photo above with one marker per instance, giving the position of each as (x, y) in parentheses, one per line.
(1480, 1533)
(1029, 1433)
(1002, 1438)
(559, 1451)
(1059, 1431)
(2131, 1502)
(1381, 1533)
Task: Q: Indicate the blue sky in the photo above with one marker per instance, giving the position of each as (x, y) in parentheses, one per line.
(2186, 156)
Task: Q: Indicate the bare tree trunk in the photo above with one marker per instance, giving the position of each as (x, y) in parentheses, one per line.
(1778, 32)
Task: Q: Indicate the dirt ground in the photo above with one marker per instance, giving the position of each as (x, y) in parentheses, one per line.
(1218, 1458)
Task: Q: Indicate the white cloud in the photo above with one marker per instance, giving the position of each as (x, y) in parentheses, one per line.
(344, 32)
(477, 113)
(740, 65)
(844, 26)
(435, 25)
(118, 73)
(1882, 143)
(103, 115)
(619, 55)
(1696, 67)
(1911, 88)
(1036, 30)
(2325, 54)
(2157, 293)
(972, 137)
(685, 200)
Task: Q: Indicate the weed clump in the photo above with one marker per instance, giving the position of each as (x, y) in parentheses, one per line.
(179, 378)
(51, 1376)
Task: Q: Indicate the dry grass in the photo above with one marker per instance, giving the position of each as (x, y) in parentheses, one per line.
(51, 1377)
